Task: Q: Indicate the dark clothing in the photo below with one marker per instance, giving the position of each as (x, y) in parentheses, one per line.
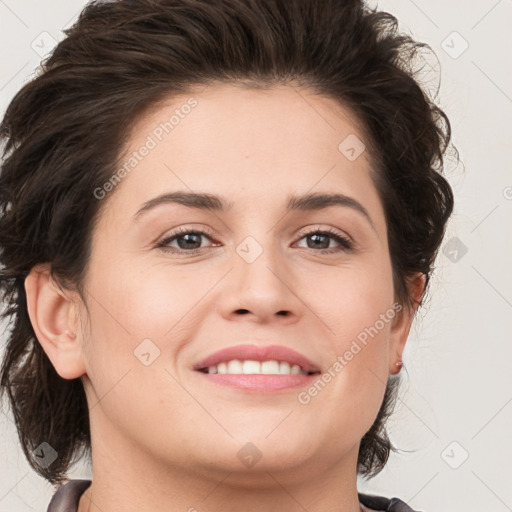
(67, 496)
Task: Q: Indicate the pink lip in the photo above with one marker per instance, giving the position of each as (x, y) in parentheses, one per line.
(258, 353)
(260, 383)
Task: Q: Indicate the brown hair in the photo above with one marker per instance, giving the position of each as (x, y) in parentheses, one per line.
(63, 132)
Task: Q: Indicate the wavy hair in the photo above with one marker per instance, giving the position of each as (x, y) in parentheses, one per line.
(63, 132)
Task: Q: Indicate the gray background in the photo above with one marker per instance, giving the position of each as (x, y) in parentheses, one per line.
(454, 412)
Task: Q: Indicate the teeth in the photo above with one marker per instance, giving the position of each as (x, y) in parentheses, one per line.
(234, 366)
(268, 367)
(284, 368)
(251, 367)
(256, 367)
(295, 370)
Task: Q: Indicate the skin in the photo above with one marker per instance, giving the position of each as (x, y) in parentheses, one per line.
(165, 439)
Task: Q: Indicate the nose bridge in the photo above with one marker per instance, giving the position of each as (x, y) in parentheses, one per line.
(258, 258)
(257, 227)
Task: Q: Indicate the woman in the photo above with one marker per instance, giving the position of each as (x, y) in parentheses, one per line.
(218, 221)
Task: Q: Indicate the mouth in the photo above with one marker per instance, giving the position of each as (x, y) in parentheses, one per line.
(249, 367)
(258, 368)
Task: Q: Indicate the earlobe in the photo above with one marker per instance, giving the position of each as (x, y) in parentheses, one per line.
(53, 316)
(403, 322)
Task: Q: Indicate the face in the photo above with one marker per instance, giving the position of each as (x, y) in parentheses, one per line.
(170, 284)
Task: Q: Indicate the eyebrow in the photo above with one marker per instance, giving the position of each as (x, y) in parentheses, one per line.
(210, 202)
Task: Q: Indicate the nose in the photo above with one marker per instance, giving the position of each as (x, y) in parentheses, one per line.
(260, 286)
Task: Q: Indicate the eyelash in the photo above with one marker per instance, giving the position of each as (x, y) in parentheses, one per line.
(345, 243)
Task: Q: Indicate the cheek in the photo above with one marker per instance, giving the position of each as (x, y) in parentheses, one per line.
(351, 300)
(144, 304)
(356, 306)
(135, 321)
(129, 306)
(363, 319)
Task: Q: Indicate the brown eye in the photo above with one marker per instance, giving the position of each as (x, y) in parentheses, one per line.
(321, 239)
(187, 240)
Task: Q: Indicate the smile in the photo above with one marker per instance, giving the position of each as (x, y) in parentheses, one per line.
(248, 367)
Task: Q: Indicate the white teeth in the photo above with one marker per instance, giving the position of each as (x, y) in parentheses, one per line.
(269, 367)
(235, 366)
(295, 370)
(249, 367)
(284, 368)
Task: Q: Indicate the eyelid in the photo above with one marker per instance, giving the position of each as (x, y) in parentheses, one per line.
(333, 231)
(202, 230)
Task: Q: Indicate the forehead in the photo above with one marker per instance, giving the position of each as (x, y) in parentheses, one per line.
(245, 143)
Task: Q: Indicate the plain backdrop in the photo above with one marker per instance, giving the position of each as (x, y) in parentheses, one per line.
(454, 413)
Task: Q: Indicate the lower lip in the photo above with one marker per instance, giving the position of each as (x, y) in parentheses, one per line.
(260, 383)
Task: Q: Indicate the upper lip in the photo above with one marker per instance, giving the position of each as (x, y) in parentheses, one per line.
(258, 353)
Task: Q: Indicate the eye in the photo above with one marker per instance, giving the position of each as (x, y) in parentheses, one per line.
(320, 239)
(188, 241)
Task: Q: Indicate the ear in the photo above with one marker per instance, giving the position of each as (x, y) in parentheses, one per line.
(403, 321)
(54, 318)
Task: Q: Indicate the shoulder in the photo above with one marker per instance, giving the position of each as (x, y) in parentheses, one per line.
(67, 496)
(382, 504)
